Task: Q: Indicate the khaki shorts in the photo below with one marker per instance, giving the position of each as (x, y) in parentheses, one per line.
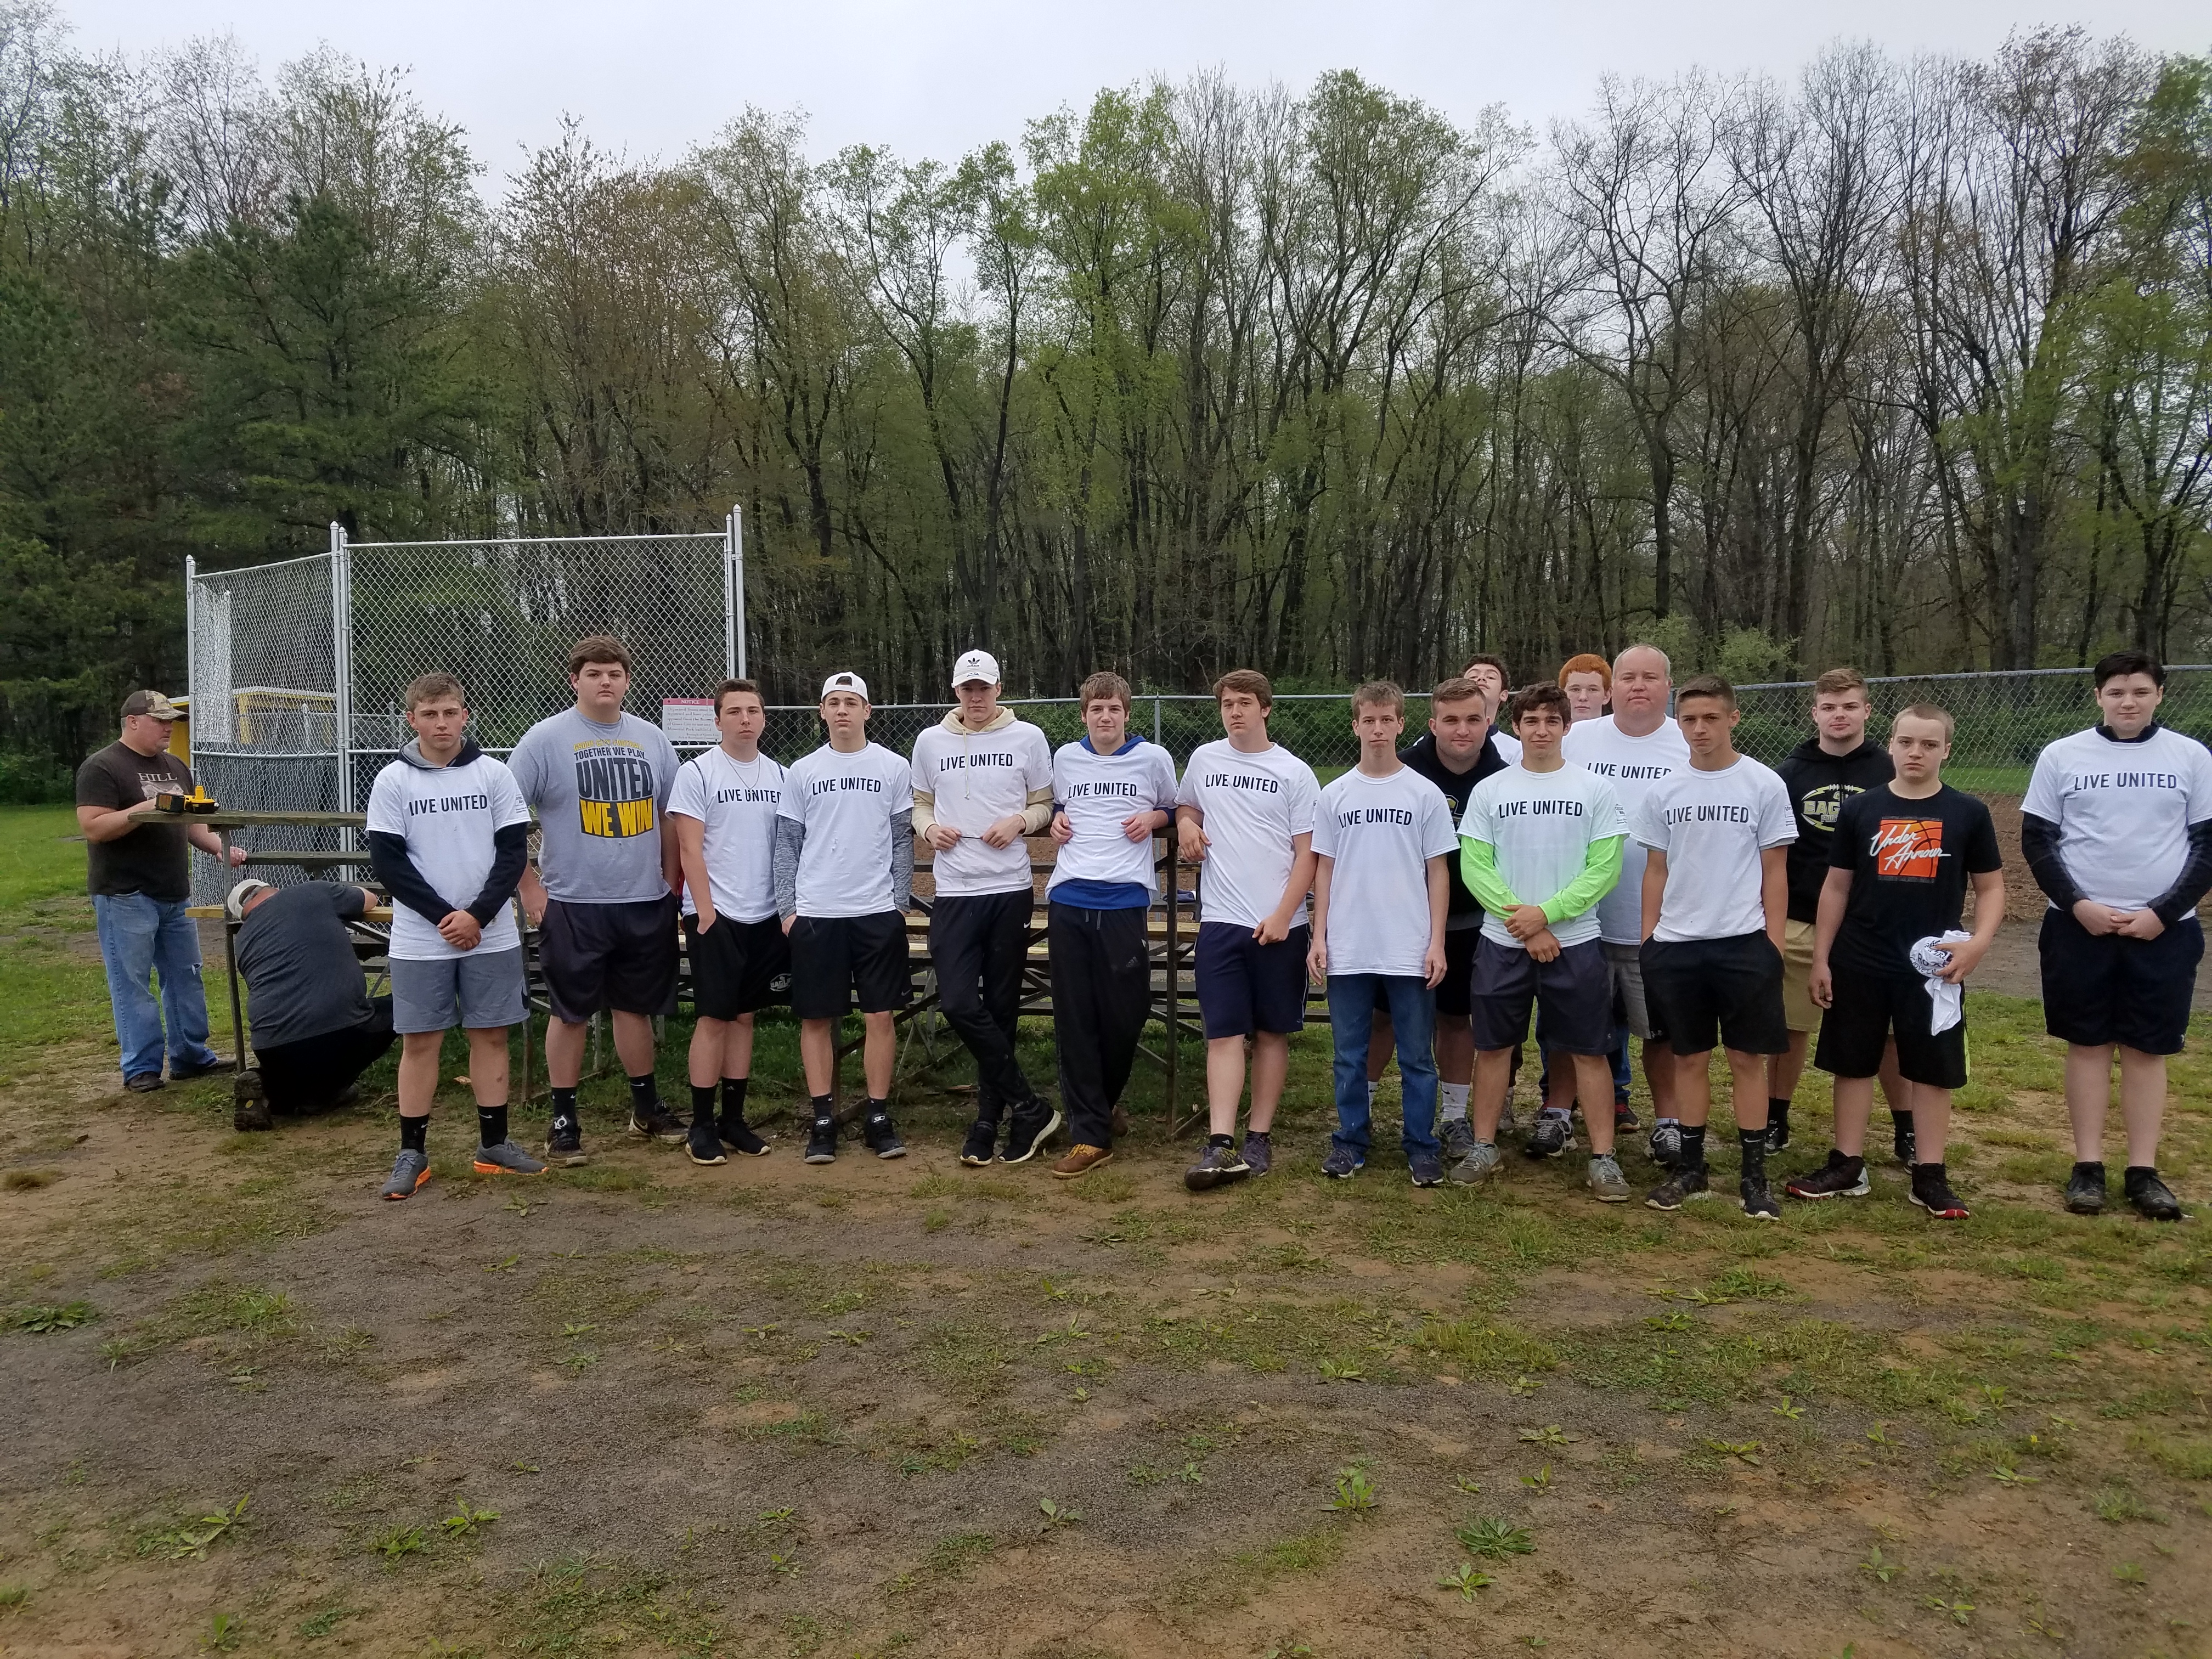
(1798, 1008)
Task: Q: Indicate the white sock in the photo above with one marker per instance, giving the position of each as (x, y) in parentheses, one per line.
(1454, 1096)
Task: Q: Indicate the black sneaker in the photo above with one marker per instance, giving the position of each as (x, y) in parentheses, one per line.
(1903, 1143)
(1259, 1150)
(1032, 1124)
(1215, 1165)
(1758, 1200)
(656, 1122)
(703, 1145)
(1687, 1183)
(1839, 1177)
(2153, 1199)
(2085, 1190)
(1553, 1135)
(1427, 1169)
(1777, 1135)
(883, 1140)
(1932, 1191)
(981, 1145)
(250, 1104)
(143, 1083)
(1624, 1120)
(565, 1143)
(822, 1141)
(187, 1071)
(737, 1135)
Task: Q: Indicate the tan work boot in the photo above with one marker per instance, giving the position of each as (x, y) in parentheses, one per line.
(1081, 1161)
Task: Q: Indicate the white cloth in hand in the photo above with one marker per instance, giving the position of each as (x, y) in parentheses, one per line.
(1930, 956)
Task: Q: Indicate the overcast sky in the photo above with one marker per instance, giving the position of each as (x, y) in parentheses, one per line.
(938, 78)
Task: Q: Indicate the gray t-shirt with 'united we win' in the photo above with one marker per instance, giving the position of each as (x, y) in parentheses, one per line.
(599, 792)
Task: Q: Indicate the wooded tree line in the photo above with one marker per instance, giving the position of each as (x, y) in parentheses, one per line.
(1904, 363)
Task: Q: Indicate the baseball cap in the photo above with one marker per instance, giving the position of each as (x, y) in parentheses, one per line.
(845, 681)
(151, 702)
(245, 889)
(976, 665)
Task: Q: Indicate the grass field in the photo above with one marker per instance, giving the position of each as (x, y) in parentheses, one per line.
(643, 1408)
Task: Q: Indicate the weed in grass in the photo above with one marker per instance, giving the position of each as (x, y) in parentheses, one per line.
(399, 1541)
(1465, 1483)
(1355, 1491)
(27, 1181)
(1057, 1514)
(1549, 1435)
(465, 1519)
(195, 1538)
(1748, 1451)
(317, 1626)
(53, 1316)
(223, 1632)
(1958, 1612)
(13, 1596)
(1788, 1409)
(1880, 1567)
(2117, 1504)
(2131, 1574)
(1466, 1578)
(1539, 1481)
(1494, 1540)
(1339, 1370)
(2005, 1474)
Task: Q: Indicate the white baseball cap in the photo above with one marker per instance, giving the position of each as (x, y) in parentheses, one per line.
(847, 681)
(976, 665)
(235, 903)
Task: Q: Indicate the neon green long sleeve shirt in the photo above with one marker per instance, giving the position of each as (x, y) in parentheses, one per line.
(1601, 872)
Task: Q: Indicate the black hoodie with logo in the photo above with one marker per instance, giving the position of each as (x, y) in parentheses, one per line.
(1819, 784)
(1421, 757)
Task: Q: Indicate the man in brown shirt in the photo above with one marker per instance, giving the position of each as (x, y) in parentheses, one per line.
(140, 878)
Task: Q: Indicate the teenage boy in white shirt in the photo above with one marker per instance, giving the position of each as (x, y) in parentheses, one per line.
(1245, 815)
(603, 896)
(1900, 856)
(1381, 840)
(2116, 828)
(1541, 845)
(1633, 749)
(1715, 894)
(982, 782)
(448, 836)
(724, 806)
(1113, 793)
(844, 878)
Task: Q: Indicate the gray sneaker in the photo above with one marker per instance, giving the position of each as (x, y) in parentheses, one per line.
(1215, 1165)
(1665, 1146)
(506, 1158)
(1477, 1167)
(1457, 1134)
(1606, 1184)
(1342, 1163)
(409, 1171)
(1259, 1152)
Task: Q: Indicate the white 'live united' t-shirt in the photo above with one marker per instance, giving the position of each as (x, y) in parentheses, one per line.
(1538, 826)
(2124, 811)
(736, 801)
(1632, 766)
(1380, 834)
(1252, 803)
(974, 779)
(1097, 794)
(1712, 826)
(846, 804)
(448, 816)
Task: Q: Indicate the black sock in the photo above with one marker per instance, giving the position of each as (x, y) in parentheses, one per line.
(823, 1110)
(1221, 1140)
(643, 1097)
(491, 1124)
(1693, 1146)
(414, 1133)
(564, 1106)
(702, 1107)
(1754, 1142)
(1777, 1111)
(1904, 1122)
(1923, 1174)
(734, 1098)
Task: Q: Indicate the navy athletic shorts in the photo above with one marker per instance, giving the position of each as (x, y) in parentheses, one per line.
(2101, 987)
(1245, 987)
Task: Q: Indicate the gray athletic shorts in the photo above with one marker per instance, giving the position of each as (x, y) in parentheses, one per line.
(1629, 1005)
(478, 991)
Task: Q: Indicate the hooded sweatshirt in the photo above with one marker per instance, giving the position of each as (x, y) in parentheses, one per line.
(1819, 784)
(968, 781)
(446, 838)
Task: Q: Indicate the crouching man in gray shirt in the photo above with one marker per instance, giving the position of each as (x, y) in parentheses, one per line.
(315, 1027)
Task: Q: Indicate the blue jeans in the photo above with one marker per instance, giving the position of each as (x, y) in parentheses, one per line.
(141, 938)
(1352, 1000)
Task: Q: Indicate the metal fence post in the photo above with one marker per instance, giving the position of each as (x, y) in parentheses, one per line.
(342, 668)
(1155, 720)
(733, 594)
(191, 643)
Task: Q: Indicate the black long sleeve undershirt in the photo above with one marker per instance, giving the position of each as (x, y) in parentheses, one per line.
(2039, 845)
(510, 855)
(396, 873)
(2180, 899)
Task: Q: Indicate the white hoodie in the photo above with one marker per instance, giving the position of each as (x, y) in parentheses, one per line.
(969, 781)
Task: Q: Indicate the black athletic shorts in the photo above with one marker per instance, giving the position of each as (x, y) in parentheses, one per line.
(1867, 1009)
(1452, 990)
(1245, 987)
(737, 966)
(834, 958)
(1708, 991)
(2100, 988)
(1574, 989)
(598, 957)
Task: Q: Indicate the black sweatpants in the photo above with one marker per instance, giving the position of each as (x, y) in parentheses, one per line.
(1102, 985)
(977, 943)
(308, 1075)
